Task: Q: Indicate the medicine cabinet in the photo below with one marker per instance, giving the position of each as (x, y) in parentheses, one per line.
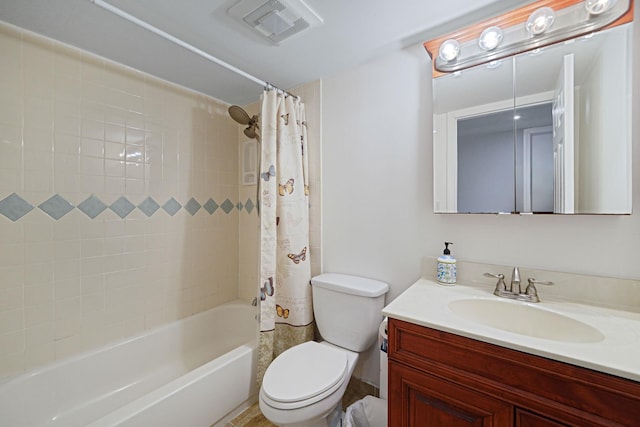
(547, 130)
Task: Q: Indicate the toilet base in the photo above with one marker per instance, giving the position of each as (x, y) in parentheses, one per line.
(333, 419)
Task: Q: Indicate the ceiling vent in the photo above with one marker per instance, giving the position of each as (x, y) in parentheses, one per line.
(276, 20)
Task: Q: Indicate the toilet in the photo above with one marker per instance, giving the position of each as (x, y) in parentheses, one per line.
(304, 385)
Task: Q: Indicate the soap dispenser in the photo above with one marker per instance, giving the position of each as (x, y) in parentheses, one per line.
(446, 267)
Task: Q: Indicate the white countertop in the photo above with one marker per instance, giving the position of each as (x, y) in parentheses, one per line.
(426, 303)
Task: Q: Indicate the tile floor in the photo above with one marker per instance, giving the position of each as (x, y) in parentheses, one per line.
(252, 417)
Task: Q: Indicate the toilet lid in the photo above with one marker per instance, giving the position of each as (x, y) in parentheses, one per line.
(308, 371)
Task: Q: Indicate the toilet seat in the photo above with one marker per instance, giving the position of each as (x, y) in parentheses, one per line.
(303, 375)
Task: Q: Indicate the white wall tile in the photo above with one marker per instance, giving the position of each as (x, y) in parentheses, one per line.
(36, 314)
(38, 112)
(38, 252)
(11, 320)
(67, 250)
(11, 277)
(65, 289)
(11, 298)
(76, 125)
(64, 143)
(38, 335)
(67, 269)
(38, 294)
(37, 274)
(12, 342)
(91, 147)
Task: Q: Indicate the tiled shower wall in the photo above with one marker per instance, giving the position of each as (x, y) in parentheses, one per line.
(119, 204)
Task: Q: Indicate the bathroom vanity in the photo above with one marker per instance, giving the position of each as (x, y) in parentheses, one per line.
(447, 369)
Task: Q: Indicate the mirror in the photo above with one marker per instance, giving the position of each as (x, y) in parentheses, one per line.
(546, 131)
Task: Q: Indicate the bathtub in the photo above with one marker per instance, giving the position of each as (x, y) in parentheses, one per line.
(193, 372)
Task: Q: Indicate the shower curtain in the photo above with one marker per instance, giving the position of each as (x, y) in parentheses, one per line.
(286, 313)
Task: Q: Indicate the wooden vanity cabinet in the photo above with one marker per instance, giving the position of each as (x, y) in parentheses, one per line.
(439, 379)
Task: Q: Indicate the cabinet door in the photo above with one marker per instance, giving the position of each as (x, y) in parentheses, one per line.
(418, 399)
(529, 419)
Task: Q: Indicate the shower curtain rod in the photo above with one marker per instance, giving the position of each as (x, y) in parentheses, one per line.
(139, 22)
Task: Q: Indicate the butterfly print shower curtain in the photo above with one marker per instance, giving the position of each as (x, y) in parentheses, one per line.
(286, 313)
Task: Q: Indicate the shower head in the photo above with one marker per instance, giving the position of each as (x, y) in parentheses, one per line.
(239, 115)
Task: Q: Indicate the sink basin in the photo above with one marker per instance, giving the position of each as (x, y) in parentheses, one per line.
(524, 319)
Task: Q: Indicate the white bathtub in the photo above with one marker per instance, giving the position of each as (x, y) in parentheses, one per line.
(192, 372)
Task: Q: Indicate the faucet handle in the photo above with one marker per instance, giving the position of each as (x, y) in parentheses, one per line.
(495, 276)
(501, 287)
(531, 290)
(533, 281)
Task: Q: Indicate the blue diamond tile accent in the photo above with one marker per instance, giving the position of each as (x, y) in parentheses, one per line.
(248, 205)
(211, 206)
(227, 206)
(192, 206)
(56, 207)
(92, 206)
(122, 207)
(239, 206)
(14, 207)
(149, 206)
(172, 206)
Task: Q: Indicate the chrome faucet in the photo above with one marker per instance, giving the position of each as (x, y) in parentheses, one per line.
(515, 289)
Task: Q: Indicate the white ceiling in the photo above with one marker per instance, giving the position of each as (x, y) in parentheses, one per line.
(353, 32)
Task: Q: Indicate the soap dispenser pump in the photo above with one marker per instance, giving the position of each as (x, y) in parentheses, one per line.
(447, 270)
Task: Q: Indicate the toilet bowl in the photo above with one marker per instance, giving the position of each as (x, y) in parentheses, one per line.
(304, 386)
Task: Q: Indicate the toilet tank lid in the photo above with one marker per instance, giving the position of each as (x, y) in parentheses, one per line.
(354, 285)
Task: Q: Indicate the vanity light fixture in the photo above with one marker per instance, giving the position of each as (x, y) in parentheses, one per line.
(596, 7)
(540, 20)
(528, 28)
(490, 38)
(449, 50)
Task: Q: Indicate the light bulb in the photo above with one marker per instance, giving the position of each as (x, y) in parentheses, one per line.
(540, 20)
(449, 50)
(490, 38)
(596, 7)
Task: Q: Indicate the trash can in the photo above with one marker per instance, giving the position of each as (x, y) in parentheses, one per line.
(384, 369)
(370, 411)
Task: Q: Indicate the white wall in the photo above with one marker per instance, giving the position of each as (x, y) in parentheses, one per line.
(377, 169)
(378, 216)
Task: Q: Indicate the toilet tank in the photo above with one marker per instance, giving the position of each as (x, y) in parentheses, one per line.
(348, 309)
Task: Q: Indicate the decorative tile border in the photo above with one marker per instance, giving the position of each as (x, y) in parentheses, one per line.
(15, 207)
